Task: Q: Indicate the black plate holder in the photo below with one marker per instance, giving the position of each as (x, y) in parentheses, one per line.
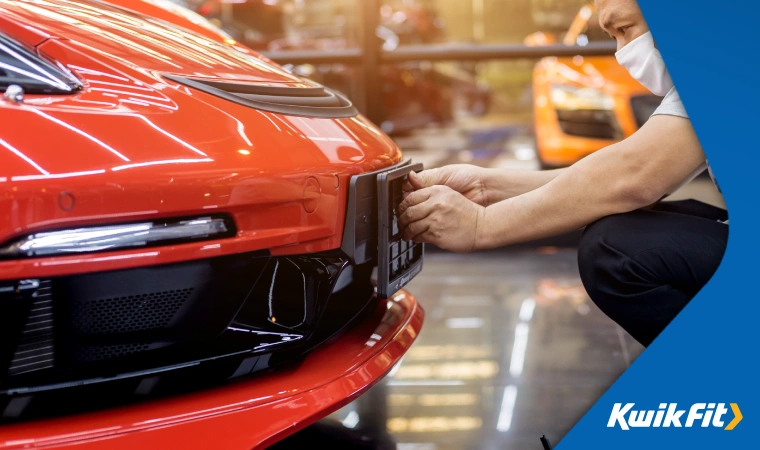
(398, 261)
(360, 232)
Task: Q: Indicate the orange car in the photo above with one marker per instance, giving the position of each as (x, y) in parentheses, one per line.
(188, 235)
(583, 104)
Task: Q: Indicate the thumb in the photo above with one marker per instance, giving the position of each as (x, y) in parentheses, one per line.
(423, 179)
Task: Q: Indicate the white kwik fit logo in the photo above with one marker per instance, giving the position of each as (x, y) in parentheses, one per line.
(668, 415)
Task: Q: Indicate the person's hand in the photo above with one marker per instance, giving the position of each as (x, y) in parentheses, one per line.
(441, 216)
(463, 178)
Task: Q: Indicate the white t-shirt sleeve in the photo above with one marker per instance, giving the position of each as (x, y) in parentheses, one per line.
(671, 105)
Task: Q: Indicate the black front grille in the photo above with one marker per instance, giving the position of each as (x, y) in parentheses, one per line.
(189, 324)
(644, 106)
(36, 347)
(598, 124)
(104, 352)
(132, 313)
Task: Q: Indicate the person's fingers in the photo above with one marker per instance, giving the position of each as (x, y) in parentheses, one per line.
(426, 178)
(414, 180)
(406, 186)
(415, 229)
(415, 213)
(414, 198)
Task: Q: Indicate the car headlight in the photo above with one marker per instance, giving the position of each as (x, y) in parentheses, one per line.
(119, 237)
(573, 98)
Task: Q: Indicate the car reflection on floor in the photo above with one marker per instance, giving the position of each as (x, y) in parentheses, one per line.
(512, 348)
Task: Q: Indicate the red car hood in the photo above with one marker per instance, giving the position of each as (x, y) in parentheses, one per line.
(139, 41)
(134, 145)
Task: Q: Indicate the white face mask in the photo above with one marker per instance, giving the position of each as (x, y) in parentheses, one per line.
(644, 62)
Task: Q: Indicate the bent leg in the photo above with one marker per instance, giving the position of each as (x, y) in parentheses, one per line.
(643, 267)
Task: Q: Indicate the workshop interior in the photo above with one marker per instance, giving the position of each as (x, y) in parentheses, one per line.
(199, 238)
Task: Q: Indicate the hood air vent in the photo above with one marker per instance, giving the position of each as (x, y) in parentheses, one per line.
(315, 101)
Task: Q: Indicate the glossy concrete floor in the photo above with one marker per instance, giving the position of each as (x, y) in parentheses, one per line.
(511, 349)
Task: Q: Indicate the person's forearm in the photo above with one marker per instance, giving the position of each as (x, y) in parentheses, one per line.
(626, 176)
(501, 184)
(563, 205)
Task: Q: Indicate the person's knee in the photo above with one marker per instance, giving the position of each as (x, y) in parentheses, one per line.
(601, 256)
(594, 247)
(631, 271)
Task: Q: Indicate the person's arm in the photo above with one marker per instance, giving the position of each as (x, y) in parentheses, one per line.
(623, 177)
(629, 175)
(480, 185)
(503, 184)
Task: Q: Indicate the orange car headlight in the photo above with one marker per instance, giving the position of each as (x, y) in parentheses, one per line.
(574, 98)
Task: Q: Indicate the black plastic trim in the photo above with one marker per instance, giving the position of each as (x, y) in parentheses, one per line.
(360, 231)
(305, 102)
(216, 352)
(389, 283)
(68, 84)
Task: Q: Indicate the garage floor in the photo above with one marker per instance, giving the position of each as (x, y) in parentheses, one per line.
(512, 348)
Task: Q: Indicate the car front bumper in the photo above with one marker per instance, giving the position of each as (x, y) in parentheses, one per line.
(247, 414)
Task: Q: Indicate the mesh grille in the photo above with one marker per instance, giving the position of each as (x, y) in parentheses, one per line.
(101, 352)
(132, 313)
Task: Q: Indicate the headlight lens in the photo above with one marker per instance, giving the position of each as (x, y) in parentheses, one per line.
(115, 237)
(574, 98)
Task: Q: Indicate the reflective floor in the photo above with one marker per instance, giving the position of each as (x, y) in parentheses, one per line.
(511, 349)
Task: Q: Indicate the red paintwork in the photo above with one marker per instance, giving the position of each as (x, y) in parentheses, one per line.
(249, 414)
(134, 146)
(168, 11)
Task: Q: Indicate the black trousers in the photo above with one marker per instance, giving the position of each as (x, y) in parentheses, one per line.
(641, 268)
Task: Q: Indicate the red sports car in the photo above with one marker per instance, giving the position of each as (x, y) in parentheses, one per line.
(188, 239)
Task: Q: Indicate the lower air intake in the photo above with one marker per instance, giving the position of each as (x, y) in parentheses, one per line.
(130, 313)
(104, 352)
(35, 349)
